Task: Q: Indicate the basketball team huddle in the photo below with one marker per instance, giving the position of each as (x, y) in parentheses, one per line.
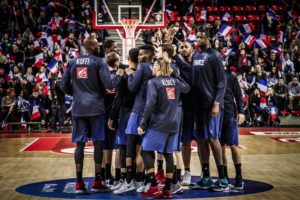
(149, 111)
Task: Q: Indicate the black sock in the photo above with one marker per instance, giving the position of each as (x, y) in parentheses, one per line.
(97, 176)
(160, 165)
(187, 169)
(118, 174)
(147, 179)
(123, 175)
(129, 175)
(175, 178)
(102, 173)
(107, 171)
(79, 177)
(238, 170)
(168, 184)
(226, 171)
(205, 170)
(139, 177)
(178, 173)
(221, 171)
(134, 171)
(152, 179)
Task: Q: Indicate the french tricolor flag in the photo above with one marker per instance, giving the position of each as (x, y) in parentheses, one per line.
(192, 37)
(35, 112)
(227, 17)
(247, 28)
(23, 126)
(4, 124)
(85, 33)
(249, 40)
(272, 14)
(276, 50)
(58, 55)
(39, 60)
(262, 85)
(225, 30)
(53, 66)
(273, 114)
(37, 45)
(263, 103)
(260, 44)
(73, 53)
(42, 35)
(203, 15)
(280, 37)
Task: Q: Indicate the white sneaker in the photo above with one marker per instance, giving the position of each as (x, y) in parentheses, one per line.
(176, 188)
(125, 188)
(143, 188)
(117, 186)
(186, 178)
(138, 184)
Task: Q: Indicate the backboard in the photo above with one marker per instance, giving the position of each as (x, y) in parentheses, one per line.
(108, 14)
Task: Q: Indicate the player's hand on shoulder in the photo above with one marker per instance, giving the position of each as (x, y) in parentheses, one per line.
(120, 72)
(141, 131)
(129, 71)
(240, 118)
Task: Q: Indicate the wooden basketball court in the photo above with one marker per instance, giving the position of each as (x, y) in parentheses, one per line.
(269, 155)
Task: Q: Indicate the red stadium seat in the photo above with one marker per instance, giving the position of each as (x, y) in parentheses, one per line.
(187, 18)
(253, 18)
(262, 8)
(250, 8)
(224, 8)
(237, 8)
(175, 19)
(198, 8)
(276, 8)
(240, 18)
(212, 9)
(213, 18)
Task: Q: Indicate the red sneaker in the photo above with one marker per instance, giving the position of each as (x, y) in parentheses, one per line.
(80, 188)
(160, 177)
(167, 194)
(99, 187)
(153, 192)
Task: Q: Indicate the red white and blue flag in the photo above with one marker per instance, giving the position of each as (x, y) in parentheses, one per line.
(225, 30)
(247, 28)
(227, 17)
(35, 112)
(249, 40)
(39, 60)
(53, 66)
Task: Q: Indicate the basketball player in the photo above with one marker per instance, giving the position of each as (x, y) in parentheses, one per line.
(233, 116)
(137, 82)
(209, 83)
(186, 51)
(86, 78)
(121, 109)
(161, 119)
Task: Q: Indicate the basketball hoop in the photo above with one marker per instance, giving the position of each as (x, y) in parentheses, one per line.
(129, 26)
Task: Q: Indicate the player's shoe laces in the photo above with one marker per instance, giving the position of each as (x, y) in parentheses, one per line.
(186, 178)
(126, 187)
(160, 177)
(176, 188)
(204, 183)
(167, 194)
(80, 188)
(153, 192)
(221, 185)
(143, 188)
(117, 186)
(98, 186)
(239, 184)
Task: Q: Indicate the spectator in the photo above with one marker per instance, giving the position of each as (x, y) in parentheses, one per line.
(29, 75)
(294, 94)
(280, 91)
(37, 100)
(288, 68)
(8, 106)
(254, 105)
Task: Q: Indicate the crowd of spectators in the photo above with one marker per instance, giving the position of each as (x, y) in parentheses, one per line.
(38, 37)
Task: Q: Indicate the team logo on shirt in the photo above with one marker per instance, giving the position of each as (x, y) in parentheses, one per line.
(170, 93)
(199, 62)
(82, 73)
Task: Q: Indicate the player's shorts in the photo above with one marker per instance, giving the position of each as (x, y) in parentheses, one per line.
(133, 123)
(188, 125)
(158, 141)
(230, 133)
(88, 128)
(121, 136)
(208, 126)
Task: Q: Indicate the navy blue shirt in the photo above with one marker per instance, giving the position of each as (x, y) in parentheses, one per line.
(86, 78)
(233, 100)
(207, 77)
(163, 103)
(137, 82)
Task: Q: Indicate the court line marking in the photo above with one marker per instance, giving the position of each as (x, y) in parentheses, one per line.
(29, 144)
(274, 133)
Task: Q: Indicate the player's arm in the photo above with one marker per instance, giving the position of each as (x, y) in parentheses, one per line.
(114, 113)
(108, 82)
(182, 64)
(135, 79)
(220, 84)
(239, 100)
(65, 84)
(151, 101)
(183, 86)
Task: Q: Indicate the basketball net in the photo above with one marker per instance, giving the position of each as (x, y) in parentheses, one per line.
(129, 26)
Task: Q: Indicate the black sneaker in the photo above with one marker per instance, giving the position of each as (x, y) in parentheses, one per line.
(239, 184)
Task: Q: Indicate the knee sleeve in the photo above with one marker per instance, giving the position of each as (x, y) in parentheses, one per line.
(130, 146)
(98, 152)
(79, 154)
(148, 157)
(169, 162)
(123, 156)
